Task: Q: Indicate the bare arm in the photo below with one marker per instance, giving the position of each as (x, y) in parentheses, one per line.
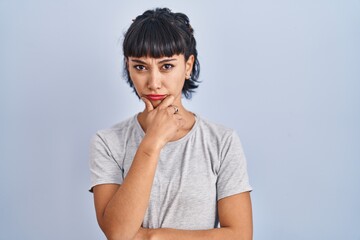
(120, 210)
(235, 214)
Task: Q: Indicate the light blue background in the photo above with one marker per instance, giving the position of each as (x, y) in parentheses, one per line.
(284, 74)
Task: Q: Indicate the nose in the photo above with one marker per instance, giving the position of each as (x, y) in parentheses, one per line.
(154, 81)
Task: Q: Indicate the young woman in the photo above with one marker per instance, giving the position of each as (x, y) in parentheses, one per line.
(167, 173)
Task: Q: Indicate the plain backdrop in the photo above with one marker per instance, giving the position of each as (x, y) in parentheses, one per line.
(284, 74)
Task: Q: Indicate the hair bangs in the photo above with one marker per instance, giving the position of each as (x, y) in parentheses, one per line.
(154, 39)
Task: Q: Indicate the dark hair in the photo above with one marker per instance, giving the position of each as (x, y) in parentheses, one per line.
(162, 33)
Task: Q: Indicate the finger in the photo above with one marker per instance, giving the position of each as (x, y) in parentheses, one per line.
(166, 102)
(148, 105)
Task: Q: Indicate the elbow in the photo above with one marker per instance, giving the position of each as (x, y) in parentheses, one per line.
(115, 230)
(240, 233)
(119, 234)
(243, 235)
(118, 237)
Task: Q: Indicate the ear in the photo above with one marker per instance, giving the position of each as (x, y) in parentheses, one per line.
(189, 66)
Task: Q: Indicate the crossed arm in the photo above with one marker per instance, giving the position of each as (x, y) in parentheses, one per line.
(235, 216)
(120, 210)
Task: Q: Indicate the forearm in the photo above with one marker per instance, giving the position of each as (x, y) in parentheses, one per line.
(235, 216)
(125, 211)
(223, 233)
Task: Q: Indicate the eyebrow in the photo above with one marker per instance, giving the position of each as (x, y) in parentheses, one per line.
(162, 61)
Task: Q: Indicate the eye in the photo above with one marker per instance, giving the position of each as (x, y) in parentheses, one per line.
(140, 67)
(167, 66)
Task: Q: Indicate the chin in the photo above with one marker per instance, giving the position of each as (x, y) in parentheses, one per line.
(155, 103)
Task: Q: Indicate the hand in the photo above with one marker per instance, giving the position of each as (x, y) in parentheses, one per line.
(161, 122)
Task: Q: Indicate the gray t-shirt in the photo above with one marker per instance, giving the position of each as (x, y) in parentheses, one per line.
(193, 172)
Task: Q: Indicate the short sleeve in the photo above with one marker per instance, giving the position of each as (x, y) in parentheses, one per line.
(232, 176)
(103, 167)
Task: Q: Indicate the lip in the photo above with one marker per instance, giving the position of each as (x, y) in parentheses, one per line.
(155, 97)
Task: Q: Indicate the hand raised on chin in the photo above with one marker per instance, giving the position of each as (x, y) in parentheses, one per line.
(162, 122)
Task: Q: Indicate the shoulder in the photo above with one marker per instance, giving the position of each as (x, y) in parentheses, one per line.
(217, 137)
(215, 130)
(220, 140)
(118, 132)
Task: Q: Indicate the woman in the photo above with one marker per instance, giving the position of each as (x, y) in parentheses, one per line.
(166, 173)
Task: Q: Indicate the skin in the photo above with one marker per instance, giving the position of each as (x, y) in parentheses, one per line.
(120, 209)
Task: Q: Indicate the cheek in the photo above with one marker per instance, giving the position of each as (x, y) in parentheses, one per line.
(138, 84)
(136, 79)
(174, 84)
(173, 79)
